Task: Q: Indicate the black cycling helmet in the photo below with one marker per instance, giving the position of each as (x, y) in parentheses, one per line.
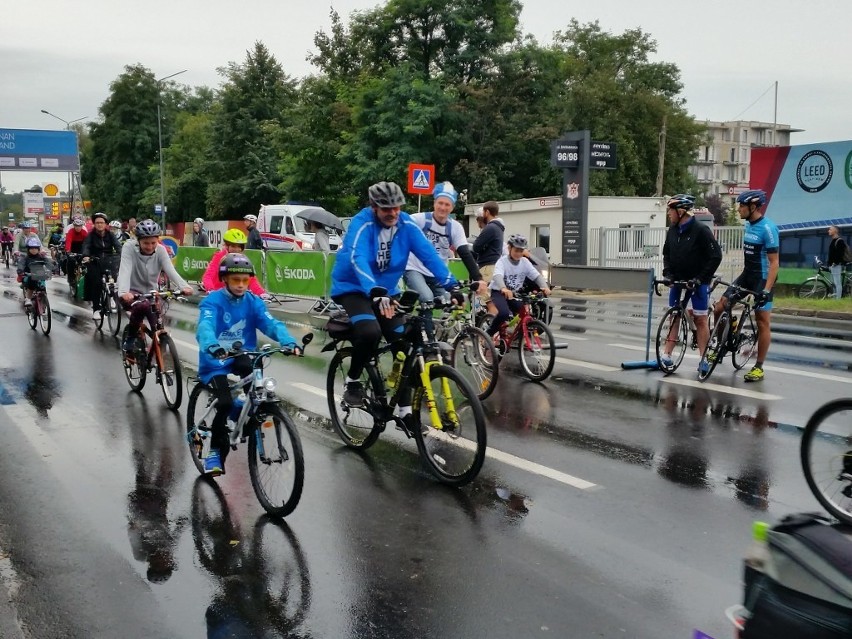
(518, 241)
(755, 196)
(386, 195)
(101, 215)
(148, 228)
(235, 263)
(681, 201)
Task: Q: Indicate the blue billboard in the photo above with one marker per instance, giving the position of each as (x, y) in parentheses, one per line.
(34, 150)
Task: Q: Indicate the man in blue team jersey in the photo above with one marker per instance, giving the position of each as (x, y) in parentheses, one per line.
(760, 269)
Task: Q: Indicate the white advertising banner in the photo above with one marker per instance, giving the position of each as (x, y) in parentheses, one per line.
(33, 204)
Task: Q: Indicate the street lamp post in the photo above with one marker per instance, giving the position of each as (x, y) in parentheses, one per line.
(160, 145)
(67, 128)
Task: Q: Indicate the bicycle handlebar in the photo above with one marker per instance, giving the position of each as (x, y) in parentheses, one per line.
(142, 297)
(267, 350)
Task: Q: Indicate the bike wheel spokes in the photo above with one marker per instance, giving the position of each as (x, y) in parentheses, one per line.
(356, 426)
(536, 350)
(672, 340)
(813, 288)
(171, 376)
(114, 312)
(475, 357)
(454, 447)
(276, 464)
(745, 342)
(136, 367)
(198, 434)
(32, 312)
(826, 453)
(44, 316)
(715, 348)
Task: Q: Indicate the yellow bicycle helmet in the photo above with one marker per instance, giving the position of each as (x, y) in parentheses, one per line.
(235, 236)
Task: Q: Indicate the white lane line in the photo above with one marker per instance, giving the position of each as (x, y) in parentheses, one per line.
(499, 455)
(591, 365)
(569, 337)
(730, 390)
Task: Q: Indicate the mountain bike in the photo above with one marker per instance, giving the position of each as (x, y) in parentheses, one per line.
(826, 454)
(732, 334)
(39, 311)
(7, 253)
(474, 354)
(536, 348)
(275, 460)
(677, 325)
(110, 304)
(821, 285)
(155, 350)
(74, 272)
(447, 422)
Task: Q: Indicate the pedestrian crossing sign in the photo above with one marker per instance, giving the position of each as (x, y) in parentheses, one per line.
(421, 179)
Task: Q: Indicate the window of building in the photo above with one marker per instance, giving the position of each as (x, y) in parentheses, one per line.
(743, 175)
(744, 135)
(541, 236)
(733, 151)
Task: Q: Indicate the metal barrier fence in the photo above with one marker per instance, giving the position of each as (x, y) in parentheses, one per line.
(640, 247)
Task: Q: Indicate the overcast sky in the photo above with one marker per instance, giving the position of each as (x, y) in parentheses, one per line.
(61, 56)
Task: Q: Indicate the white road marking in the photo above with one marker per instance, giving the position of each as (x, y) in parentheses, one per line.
(730, 390)
(591, 365)
(506, 458)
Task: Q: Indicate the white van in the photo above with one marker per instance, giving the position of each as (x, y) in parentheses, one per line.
(283, 231)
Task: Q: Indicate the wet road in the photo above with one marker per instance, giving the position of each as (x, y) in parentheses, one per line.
(615, 504)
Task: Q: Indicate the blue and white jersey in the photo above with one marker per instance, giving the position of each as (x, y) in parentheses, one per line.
(444, 237)
(760, 239)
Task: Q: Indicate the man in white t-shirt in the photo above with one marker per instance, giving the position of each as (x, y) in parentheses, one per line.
(445, 235)
(510, 273)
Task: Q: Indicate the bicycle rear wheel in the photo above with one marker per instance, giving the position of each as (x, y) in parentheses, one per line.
(44, 316)
(673, 325)
(475, 357)
(745, 340)
(114, 312)
(715, 350)
(356, 426)
(170, 377)
(813, 287)
(136, 366)
(454, 453)
(536, 350)
(198, 435)
(826, 453)
(276, 463)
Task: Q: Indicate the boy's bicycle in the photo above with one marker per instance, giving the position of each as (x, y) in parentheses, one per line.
(39, 311)
(275, 460)
(826, 453)
(448, 423)
(474, 354)
(155, 350)
(534, 341)
(110, 304)
(821, 285)
(732, 334)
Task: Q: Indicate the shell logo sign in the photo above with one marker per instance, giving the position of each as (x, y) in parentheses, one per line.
(50, 189)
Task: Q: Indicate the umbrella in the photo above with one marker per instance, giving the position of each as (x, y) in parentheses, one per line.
(321, 216)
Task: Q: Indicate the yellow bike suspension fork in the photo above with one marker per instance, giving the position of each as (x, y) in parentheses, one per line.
(426, 381)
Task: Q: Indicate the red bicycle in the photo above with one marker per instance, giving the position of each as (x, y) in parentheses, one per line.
(534, 341)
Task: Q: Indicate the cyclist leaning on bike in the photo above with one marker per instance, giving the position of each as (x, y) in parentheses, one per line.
(366, 278)
(760, 247)
(100, 243)
(690, 253)
(139, 272)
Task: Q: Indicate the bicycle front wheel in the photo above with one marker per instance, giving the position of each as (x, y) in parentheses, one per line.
(198, 434)
(99, 318)
(814, 288)
(356, 426)
(475, 357)
(135, 367)
(276, 463)
(453, 445)
(715, 350)
(44, 316)
(170, 376)
(32, 312)
(114, 312)
(536, 350)
(745, 341)
(826, 452)
(672, 331)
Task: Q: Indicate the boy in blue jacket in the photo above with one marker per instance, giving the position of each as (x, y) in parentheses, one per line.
(231, 314)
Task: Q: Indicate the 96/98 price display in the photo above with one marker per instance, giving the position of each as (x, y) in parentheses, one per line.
(565, 155)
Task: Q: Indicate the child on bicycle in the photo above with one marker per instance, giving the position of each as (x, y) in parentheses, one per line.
(510, 273)
(228, 315)
(33, 254)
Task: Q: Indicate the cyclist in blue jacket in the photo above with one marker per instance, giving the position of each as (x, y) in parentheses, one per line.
(226, 316)
(367, 272)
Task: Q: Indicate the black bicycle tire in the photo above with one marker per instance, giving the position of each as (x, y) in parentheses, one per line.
(280, 419)
(114, 319)
(99, 319)
(142, 367)
(684, 333)
(813, 288)
(738, 362)
(334, 404)
(45, 317)
(167, 344)
(821, 414)
(485, 392)
(191, 417)
(32, 316)
(721, 342)
(521, 332)
(436, 371)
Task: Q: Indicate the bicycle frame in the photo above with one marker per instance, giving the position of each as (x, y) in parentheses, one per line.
(518, 323)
